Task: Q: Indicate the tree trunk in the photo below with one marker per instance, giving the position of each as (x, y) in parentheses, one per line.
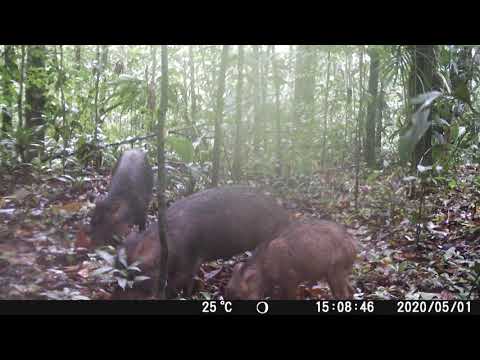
(278, 138)
(379, 122)
(325, 115)
(97, 81)
(304, 103)
(62, 130)
(348, 110)
(256, 102)
(193, 96)
(217, 145)
(372, 108)
(357, 129)
(237, 155)
(162, 223)
(96, 104)
(21, 85)
(264, 93)
(35, 99)
(78, 57)
(8, 89)
(152, 104)
(103, 71)
(422, 80)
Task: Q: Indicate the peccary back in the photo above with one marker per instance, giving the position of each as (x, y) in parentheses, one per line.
(306, 250)
(213, 224)
(127, 201)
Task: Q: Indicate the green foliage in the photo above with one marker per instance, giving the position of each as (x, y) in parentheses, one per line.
(419, 125)
(181, 146)
(117, 270)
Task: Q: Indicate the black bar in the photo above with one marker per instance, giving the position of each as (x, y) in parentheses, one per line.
(258, 308)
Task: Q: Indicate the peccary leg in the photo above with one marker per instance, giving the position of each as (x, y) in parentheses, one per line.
(190, 275)
(339, 286)
(351, 290)
(141, 225)
(141, 222)
(289, 290)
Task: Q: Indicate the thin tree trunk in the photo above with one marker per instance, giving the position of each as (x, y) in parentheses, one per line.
(152, 104)
(372, 108)
(264, 93)
(61, 83)
(7, 84)
(78, 57)
(326, 112)
(35, 99)
(278, 148)
(237, 156)
(217, 145)
(379, 122)
(193, 96)
(97, 81)
(103, 68)
(159, 287)
(256, 102)
(293, 111)
(348, 110)
(21, 85)
(357, 135)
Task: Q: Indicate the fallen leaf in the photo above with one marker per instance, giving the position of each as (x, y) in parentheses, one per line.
(212, 274)
(85, 273)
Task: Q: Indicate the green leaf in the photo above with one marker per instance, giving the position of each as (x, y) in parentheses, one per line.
(449, 253)
(181, 146)
(426, 99)
(102, 270)
(428, 296)
(110, 259)
(422, 168)
(122, 282)
(134, 268)
(452, 184)
(141, 278)
(476, 267)
(414, 133)
(462, 93)
(122, 257)
(205, 295)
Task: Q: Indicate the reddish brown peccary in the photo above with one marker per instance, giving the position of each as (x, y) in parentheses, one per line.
(209, 225)
(127, 201)
(306, 250)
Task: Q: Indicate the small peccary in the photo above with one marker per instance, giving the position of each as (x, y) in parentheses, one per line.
(213, 224)
(306, 250)
(127, 201)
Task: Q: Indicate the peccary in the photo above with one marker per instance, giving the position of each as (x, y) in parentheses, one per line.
(127, 201)
(209, 225)
(306, 250)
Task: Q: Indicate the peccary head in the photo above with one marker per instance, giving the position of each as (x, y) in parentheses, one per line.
(141, 248)
(246, 283)
(108, 219)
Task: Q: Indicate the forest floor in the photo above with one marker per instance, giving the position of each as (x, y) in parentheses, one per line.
(41, 214)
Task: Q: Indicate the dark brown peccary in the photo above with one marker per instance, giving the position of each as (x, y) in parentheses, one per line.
(305, 251)
(213, 224)
(127, 201)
